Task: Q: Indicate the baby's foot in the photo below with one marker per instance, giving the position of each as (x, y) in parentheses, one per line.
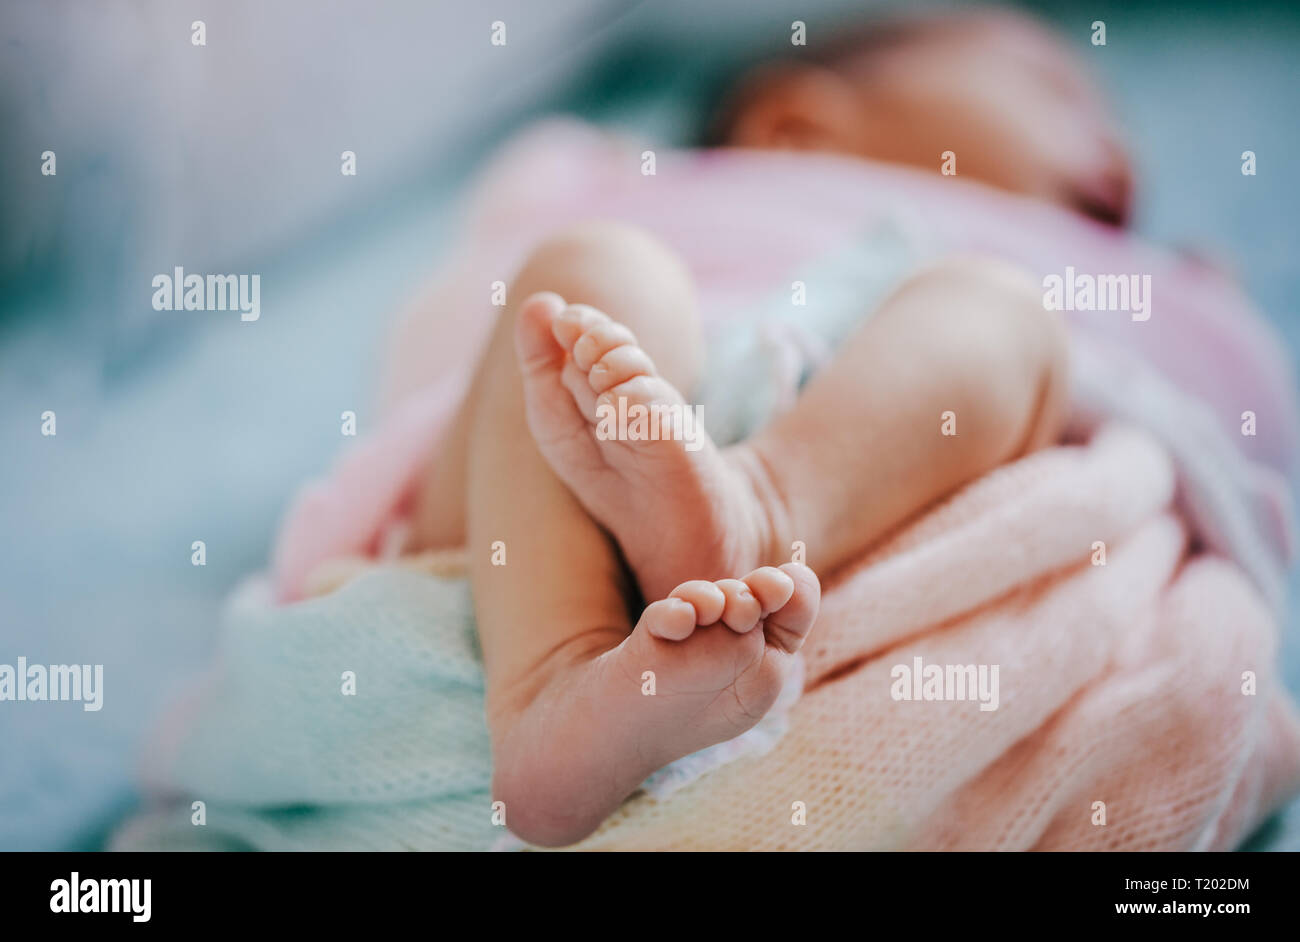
(677, 506)
(701, 667)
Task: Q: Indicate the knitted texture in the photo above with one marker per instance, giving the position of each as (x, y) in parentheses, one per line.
(1119, 683)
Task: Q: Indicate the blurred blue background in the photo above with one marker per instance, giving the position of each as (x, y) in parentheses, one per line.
(175, 427)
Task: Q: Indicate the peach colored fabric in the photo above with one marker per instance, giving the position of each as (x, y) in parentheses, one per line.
(1119, 684)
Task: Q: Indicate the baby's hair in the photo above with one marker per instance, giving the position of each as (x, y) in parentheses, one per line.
(847, 49)
(852, 50)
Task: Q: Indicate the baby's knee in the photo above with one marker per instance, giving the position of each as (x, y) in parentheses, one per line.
(614, 241)
(605, 264)
(996, 300)
(1009, 303)
(1005, 356)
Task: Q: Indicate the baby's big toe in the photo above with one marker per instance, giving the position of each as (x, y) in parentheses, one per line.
(534, 343)
(788, 626)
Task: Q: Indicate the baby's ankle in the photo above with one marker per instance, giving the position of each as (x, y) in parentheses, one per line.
(772, 518)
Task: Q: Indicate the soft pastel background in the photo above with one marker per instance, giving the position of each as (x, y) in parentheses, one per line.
(174, 427)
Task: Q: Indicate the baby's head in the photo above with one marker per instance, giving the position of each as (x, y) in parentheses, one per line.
(999, 91)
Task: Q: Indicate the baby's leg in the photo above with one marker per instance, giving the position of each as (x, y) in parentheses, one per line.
(573, 731)
(555, 553)
(863, 449)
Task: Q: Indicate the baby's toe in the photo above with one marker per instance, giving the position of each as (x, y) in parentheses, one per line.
(599, 340)
(618, 366)
(642, 390)
(788, 627)
(772, 587)
(707, 598)
(574, 321)
(672, 619)
(742, 610)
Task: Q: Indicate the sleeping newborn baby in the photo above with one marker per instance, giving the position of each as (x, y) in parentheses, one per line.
(651, 607)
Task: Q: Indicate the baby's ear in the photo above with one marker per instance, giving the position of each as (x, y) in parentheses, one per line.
(796, 107)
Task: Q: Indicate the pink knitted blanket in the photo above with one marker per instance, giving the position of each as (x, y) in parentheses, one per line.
(1136, 703)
